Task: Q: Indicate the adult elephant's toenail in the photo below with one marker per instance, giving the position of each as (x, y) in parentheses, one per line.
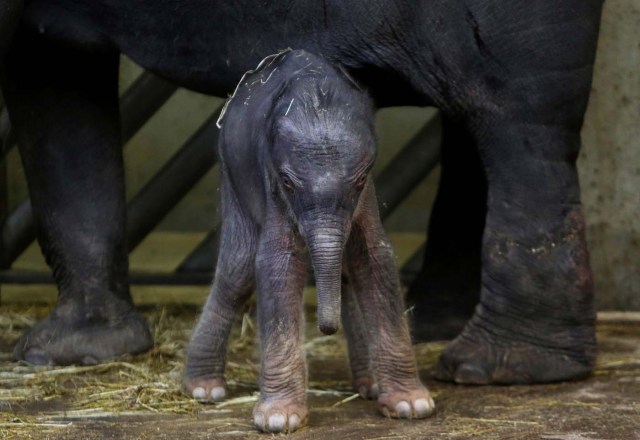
(36, 356)
(470, 374)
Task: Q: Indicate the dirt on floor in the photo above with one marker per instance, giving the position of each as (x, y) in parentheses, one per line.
(140, 398)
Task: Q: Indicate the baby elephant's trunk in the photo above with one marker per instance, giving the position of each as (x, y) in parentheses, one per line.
(326, 246)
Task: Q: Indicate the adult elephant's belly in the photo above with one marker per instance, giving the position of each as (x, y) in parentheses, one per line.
(207, 46)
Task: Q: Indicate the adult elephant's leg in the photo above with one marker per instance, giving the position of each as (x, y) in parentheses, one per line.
(536, 319)
(519, 78)
(63, 105)
(446, 291)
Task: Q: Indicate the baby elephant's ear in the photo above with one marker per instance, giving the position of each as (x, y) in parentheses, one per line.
(260, 74)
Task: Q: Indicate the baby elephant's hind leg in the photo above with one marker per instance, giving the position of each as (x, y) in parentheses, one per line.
(233, 284)
(362, 378)
(377, 288)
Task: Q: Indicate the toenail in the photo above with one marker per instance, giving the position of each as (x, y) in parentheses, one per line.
(38, 357)
(364, 392)
(470, 374)
(89, 360)
(423, 407)
(199, 393)
(294, 422)
(375, 391)
(258, 420)
(403, 409)
(218, 394)
(277, 423)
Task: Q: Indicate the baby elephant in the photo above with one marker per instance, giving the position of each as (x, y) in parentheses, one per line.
(296, 147)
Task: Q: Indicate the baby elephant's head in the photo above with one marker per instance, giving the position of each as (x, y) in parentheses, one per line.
(323, 149)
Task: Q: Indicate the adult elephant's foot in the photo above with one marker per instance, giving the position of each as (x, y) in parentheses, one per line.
(275, 414)
(56, 341)
(502, 352)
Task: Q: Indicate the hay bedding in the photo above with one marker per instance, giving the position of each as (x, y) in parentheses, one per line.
(144, 392)
(142, 385)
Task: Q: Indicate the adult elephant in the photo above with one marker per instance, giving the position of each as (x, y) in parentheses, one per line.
(512, 79)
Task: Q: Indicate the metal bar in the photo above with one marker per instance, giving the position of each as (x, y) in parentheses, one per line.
(137, 278)
(404, 173)
(409, 167)
(4, 203)
(173, 181)
(147, 94)
(413, 265)
(204, 257)
(6, 135)
(18, 231)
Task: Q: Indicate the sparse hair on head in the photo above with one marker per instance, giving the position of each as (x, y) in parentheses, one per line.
(322, 101)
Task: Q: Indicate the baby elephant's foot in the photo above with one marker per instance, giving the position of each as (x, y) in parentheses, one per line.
(280, 415)
(206, 389)
(366, 386)
(406, 404)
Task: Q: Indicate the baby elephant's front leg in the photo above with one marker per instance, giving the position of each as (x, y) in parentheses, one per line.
(377, 289)
(281, 275)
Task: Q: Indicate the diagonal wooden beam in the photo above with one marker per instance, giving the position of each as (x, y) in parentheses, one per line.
(173, 181)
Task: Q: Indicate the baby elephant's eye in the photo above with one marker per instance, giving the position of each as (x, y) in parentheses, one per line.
(362, 180)
(286, 181)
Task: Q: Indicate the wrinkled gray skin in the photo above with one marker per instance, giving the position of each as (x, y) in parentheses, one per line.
(512, 79)
(296, 148)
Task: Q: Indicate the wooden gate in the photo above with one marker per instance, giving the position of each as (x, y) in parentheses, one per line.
(179, 174)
